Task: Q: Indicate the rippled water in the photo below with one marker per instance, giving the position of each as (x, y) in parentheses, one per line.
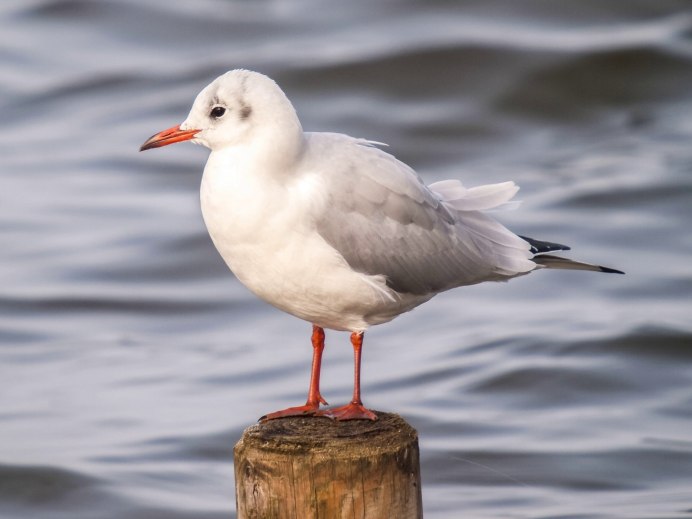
(131, 360)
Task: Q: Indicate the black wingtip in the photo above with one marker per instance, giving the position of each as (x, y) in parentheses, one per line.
(610, 271)
(541, 247)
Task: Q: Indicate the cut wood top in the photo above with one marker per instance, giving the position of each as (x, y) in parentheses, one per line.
(317, 435)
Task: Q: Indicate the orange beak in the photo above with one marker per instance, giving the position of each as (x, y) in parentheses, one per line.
(169, 136)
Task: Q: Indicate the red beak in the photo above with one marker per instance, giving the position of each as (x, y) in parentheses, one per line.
(169, 136)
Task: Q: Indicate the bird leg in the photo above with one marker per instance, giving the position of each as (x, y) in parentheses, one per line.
(314, 397)
(355, 409)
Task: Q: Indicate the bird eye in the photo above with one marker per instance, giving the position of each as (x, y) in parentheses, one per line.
(217, 112)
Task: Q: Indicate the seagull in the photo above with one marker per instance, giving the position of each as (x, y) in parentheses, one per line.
(334, 230)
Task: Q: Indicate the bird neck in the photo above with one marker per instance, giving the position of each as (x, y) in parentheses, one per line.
(271, 155)
(281, 143)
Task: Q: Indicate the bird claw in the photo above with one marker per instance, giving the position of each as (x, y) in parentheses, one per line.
(301, 410)
(309, 409)
(351, 411)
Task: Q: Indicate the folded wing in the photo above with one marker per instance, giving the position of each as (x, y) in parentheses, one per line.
(384, 221)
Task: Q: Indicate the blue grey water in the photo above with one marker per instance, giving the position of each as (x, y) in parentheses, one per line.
(131, 360)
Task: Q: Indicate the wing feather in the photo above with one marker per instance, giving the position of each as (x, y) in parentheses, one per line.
(478, 198)
(383, 220)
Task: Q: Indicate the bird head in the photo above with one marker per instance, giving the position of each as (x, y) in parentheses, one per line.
(229, 111)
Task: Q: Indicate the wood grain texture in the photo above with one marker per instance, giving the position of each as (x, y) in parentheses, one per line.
(305, 468)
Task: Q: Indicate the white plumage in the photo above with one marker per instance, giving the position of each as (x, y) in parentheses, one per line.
(332, 229)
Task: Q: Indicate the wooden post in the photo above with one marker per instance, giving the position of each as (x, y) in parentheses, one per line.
(316, 468)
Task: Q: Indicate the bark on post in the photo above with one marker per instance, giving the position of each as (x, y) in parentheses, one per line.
(315, 468)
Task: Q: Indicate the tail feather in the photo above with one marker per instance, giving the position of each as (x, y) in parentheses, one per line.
(557, 262)
(540, 248)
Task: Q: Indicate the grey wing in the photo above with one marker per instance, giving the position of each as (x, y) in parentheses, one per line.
(384, 221)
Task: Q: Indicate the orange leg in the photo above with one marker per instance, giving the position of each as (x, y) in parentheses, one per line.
(355, 409)
(314, 397)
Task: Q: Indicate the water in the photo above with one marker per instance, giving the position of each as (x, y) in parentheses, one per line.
(131, 360)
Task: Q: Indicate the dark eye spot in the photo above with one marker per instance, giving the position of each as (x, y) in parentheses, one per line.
(217, 112)
(245, 112)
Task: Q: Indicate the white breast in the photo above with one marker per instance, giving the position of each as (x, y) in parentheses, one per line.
(264, 228)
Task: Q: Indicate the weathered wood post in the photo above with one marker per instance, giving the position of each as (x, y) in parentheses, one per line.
(316, 468)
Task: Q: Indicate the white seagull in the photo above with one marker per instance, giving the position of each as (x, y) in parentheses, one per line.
(332, 229)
